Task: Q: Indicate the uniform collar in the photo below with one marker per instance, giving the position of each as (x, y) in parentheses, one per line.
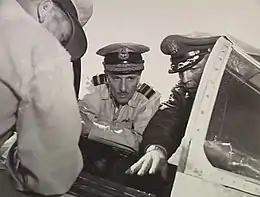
(133, 101)
(105, 95)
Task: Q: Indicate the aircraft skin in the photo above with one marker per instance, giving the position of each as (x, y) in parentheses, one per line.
(212, 167)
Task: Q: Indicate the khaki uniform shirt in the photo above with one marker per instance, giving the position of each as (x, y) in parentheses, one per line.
(37, 94)
(121, 127)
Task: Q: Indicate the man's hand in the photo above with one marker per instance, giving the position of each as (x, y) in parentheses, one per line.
(85, 121)
(86, 124)
(151, 162)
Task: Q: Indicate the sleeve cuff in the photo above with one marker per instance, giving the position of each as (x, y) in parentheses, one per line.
(155, 147)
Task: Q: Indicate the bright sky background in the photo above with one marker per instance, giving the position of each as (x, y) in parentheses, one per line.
(149, 21)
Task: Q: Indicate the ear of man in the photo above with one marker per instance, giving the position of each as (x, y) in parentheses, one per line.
(44, 9)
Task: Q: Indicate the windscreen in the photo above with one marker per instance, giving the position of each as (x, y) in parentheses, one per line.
(233, 137)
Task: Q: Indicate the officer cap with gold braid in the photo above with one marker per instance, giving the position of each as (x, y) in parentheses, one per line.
(186, 51)
(123, 58)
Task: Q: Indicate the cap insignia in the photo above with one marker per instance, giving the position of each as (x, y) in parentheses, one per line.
(123, 54)
(173, 47)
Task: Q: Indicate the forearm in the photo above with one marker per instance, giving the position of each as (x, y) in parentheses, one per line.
(165, 129)
(122, 137)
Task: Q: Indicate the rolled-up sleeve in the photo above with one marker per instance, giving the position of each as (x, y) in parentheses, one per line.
(48, 124)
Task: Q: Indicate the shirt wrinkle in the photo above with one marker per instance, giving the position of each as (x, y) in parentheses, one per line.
(130, 119)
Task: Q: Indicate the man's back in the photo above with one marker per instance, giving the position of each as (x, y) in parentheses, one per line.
(36, 84)
(19, 36)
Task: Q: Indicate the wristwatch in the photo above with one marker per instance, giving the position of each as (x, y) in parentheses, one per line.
(156, 147)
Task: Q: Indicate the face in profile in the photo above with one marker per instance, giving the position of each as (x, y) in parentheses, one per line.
(191, 78)
(55, 20)
(123, 86)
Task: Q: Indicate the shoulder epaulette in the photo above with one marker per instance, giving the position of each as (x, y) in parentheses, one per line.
(146, 90)
(99, 79)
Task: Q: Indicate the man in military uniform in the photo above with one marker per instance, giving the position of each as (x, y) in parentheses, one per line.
(167, 127)
(36, 85)
(117, 109)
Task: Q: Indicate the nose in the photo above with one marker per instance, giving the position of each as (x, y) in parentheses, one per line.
(123, 85)
(186, 76)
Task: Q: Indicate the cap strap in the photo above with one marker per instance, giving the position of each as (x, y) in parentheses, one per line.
(124, 68)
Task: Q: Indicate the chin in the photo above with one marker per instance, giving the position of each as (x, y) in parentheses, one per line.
(191, 90)
(122, 101)
(192, 93)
